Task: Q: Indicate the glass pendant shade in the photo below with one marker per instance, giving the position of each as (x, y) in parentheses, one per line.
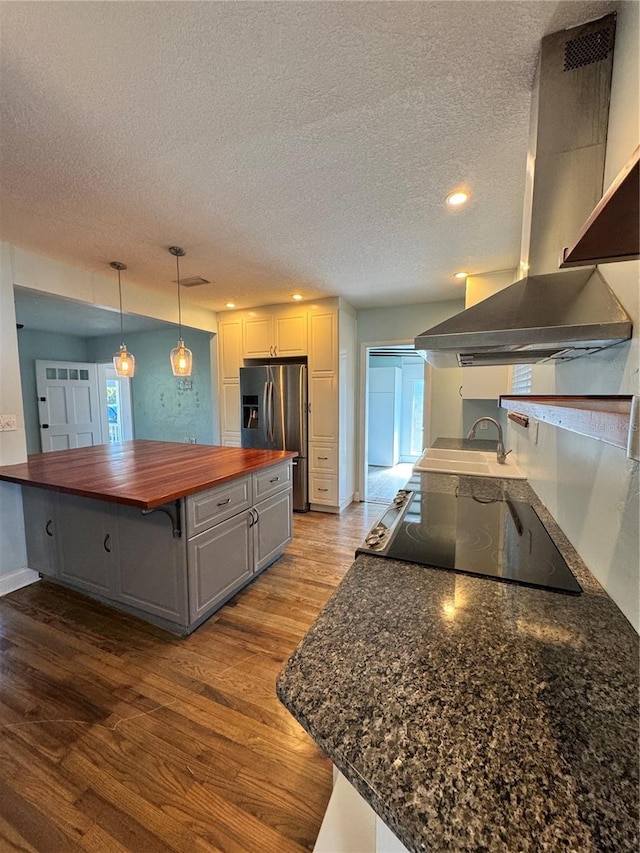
(181, 359)
(124, 363)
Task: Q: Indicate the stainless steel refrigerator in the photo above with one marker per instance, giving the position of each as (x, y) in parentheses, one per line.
(273, 399)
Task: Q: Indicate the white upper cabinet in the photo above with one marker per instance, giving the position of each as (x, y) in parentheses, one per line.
(275, 332)
(230, 348)
(323, 342)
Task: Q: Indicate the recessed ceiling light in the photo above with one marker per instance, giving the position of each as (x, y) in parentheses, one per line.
(457, 198)
(229, 304)
(296, 296)
(460, 274)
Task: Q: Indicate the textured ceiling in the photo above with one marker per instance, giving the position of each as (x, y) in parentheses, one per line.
(297, 146)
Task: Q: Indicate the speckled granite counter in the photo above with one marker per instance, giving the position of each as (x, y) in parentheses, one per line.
(473, 714)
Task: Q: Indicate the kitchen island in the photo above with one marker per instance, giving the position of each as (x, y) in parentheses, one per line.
(166, 531)
(473, 714)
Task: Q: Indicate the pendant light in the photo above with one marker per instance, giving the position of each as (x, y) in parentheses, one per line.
(123, 362)
(181, 358)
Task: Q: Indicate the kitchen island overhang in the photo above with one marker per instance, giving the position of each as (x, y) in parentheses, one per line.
(166, 531)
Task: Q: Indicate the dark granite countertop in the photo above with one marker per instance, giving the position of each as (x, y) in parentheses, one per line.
(474, 714)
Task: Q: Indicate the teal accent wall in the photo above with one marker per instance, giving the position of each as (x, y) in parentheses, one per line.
(33, 345)
(161, 411)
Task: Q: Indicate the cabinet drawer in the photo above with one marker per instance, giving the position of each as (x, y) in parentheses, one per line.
(214, 505)
(271, 480)
(323, 458)
(323, 489)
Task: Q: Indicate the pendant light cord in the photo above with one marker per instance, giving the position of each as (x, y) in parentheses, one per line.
(121, 322)
(179, 303)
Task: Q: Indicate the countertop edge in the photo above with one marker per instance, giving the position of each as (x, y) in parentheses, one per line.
(118, 494)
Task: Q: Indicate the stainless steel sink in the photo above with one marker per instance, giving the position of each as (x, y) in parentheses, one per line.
(472, 463)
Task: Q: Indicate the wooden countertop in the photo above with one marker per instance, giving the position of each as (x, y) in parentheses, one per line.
(139, 473)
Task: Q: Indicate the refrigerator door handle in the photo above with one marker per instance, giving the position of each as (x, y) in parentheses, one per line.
(271, 432)
(265, 406)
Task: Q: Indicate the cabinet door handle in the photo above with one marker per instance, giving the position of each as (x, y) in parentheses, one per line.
(324, 458)
(275, 351)
(224, 503)
(47, 527)
(107, 543)
(274, 479)
(271, 353)
(322, 490)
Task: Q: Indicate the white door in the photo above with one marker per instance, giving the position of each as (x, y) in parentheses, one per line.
(68, 404)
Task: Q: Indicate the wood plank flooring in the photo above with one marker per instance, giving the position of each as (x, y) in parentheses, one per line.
(115, 736)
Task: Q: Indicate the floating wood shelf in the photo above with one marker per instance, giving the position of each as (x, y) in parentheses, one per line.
(612, 232)
(607, 419)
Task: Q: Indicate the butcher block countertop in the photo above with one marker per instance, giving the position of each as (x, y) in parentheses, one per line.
(139, 473)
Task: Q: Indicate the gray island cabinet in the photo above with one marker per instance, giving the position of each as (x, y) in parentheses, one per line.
(174, 563)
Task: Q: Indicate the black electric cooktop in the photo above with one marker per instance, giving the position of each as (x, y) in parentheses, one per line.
(497, 538)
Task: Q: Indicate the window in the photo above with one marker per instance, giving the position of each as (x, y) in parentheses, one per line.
(521, 379)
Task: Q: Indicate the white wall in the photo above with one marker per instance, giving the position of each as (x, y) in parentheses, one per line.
(13, 448)
(592, 488)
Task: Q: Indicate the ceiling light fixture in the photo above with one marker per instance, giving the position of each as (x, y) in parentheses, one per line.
(460, 274)
(123, 362)
(181, 358)
(297, 296)
(229, 304)
(457, 198)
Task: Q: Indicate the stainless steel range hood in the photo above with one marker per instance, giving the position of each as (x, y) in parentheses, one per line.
(514, 326)
(551, 314)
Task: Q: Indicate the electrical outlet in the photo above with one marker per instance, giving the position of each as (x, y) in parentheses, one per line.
(533, 426)
(484, 425)
(8, 423)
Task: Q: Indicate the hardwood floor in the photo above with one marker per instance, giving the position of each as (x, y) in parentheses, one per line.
(115, 736)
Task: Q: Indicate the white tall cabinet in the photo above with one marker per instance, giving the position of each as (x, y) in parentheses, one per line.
(324, 333)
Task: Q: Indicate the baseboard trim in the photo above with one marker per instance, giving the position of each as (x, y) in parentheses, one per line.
(16, 580)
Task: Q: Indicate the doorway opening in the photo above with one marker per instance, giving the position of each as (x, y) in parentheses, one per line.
(394, 386)
(115, 405)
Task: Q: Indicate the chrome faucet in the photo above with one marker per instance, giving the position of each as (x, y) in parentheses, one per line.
(500, 451)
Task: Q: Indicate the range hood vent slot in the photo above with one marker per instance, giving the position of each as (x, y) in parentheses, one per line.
(587, 49)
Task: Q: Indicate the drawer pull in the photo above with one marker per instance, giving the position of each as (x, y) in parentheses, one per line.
(274, 479)
(324, 458)
(322, 490)
(224, 503)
